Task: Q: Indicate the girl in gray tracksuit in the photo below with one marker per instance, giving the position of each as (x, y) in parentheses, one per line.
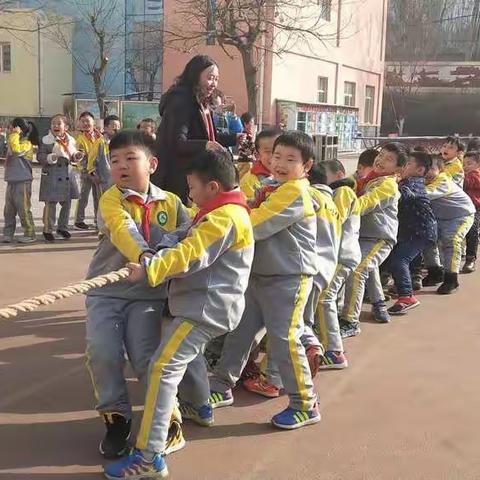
(22, 138)
(58, 184)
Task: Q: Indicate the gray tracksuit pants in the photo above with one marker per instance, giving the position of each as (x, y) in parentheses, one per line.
(18, 198)
(451, 234)
(116, 326)
(374, 253)
(181, 347)
(308, 337)
(87, 185)
(327, 311)
(50, 216)
(277, 303)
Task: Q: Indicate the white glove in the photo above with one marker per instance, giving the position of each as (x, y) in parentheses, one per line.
(52, 159)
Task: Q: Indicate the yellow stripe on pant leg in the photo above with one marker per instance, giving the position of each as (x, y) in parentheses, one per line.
(26, 209)
(356, 275)
(92, 378)
(457, 243)
(292, 344)
(45, 218)
(154, 381)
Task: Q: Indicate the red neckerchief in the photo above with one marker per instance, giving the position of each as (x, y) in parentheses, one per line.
(64, 143)
(262, 194)
(146, 214)
(259, 168)
(235, 197)
(93, 135)
(210, 127)
(363, 182)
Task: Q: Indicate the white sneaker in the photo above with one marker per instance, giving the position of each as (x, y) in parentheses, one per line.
(26, 240)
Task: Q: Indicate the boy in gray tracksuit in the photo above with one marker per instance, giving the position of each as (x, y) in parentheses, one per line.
(285, 263)
(454, 211)
(378, 208)
(208, 272)
(18, 175)
(134, 216)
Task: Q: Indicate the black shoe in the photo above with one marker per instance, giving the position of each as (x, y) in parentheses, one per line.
(48, 237)
(115, 443)
(82, 226)
(65, 234)
(417, 282)
(434, 277)
(450, 284)
(469, 266)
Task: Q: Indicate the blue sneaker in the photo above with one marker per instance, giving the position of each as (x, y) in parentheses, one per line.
(290, 418)
(219, 399)
(349, 329)
(202, 416)
(135, 467)
(380, 312)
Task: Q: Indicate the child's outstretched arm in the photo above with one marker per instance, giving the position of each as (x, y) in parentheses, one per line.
(385, 195)
(284, 207)
(440, 187)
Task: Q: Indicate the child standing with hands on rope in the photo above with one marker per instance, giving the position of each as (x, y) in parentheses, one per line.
(134, 216)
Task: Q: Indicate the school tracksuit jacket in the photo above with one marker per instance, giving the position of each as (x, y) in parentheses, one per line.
(252, 181)
(284, 265)
(455, 212)
(378, 208)
(124, 313)
(349, 257)
(94, 151)
(18, 175)
(454, 169)
(208, 273)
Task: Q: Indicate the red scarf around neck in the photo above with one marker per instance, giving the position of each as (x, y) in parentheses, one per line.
(234, 197)
(95, 134)
(363, 182)
(210, 127)
(146, 214)
(259, 168)
(261, 196)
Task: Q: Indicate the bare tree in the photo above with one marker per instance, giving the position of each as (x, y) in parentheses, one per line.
(101, 30)
(253, 28)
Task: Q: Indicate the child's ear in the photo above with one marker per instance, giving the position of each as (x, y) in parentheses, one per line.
(153, 164)
(308, 165)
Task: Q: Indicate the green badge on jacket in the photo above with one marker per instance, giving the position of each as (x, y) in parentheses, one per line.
(162, 218)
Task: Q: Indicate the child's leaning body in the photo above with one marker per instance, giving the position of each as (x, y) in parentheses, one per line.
(454, 169)
(18, 175)
(252, 181)
(58, 183)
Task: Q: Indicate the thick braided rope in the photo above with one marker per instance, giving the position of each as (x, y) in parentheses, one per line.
(33, 303)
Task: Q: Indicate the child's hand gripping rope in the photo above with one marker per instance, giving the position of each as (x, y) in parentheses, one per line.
(50, 297)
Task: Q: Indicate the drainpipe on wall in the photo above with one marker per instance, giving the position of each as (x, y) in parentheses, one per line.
(39, 67)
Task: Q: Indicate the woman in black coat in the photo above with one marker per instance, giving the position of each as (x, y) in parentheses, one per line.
(187, 127)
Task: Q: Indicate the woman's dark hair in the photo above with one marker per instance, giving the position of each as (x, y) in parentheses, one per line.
(247, 117)
(214, 166)
(133, 138)
(298, 140)
(190, 76)
(29, 130)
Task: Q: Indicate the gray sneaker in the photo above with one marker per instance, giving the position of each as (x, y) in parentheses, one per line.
(380, 312)
(27, 240)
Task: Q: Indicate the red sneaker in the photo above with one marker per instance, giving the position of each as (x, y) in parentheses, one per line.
(314, 354)
(260, 386)
(251, 370)
(403, 305)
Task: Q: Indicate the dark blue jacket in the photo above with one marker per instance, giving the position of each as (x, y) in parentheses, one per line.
(415, 213)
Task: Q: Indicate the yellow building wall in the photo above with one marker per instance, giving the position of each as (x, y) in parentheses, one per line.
(19, 89)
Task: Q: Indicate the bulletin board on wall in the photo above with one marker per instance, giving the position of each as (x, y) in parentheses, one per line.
(134, 112)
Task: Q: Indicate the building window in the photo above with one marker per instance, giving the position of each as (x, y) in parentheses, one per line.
(322, 96)
(5, 57)
(302, 121)
(369, 104)
(349, 94)
(325, 9)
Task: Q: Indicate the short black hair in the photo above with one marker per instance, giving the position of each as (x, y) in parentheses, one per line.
(367, 157)
(298, 140)
(110, 119)
(402, 152)
(87, 114)
(318, 174)
(422, 159)
(246, 118)
(270, 133)
(473, 144)
(133, 138)
(148, 120)
(214, 166)
(334, 166)
(453, 140)
(475, 154)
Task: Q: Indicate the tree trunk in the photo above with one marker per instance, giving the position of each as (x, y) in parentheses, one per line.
(100, 95)
(250, 72)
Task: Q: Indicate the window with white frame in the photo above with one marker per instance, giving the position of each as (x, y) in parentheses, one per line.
(369, 114)
(5, 57)
(349, 94)
(322, 88)
(325, 9)
(302, 121)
